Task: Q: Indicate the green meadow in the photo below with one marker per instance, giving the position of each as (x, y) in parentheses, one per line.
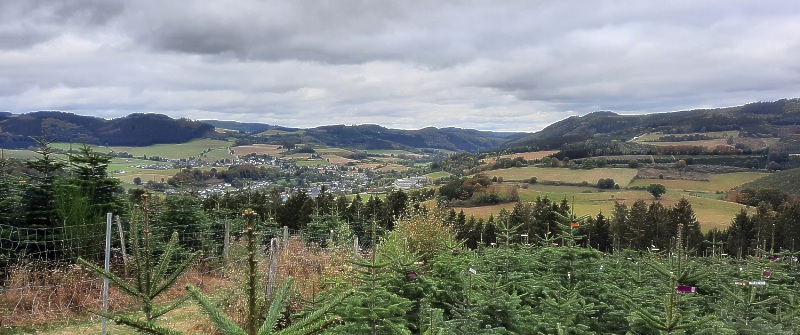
(621, 176)
(170, 151)
(711, 213)
(716, 182)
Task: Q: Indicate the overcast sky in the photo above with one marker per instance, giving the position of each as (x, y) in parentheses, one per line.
(489, 65)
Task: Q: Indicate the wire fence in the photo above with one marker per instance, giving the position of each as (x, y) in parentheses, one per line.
(41, 281)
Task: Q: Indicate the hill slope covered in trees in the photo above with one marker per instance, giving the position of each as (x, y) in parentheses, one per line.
(778, 119)
(133, 130)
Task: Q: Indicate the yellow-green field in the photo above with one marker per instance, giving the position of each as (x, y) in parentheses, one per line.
(258, 149)
(532, 155)
(650, 137)
(334, 159)
(393, 167)
(279, 132)
(701, 143)
(312, 162)
(389, 152)
(23, 154)
(332, 151)
(170, 151)
(438, 174)
(621, 176)
(717, 182)
(445, 151)
(711, 213)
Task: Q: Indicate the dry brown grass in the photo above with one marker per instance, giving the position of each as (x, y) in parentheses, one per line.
(35, 295)
(311, 267)
(57, 300)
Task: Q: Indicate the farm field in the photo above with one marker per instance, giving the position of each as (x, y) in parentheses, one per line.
(332, 151)
(711, 213)
(24, 154)
(389, 152)
(717, 182)
(335, 159)
(393, 167)
(312, 162)
(258, 149)
(438, 174)
(621, 176)
(298, 156)
(531, 155)
(701, 143)
(651, 137)
(171, 151)
(123, 169)
(648, 158)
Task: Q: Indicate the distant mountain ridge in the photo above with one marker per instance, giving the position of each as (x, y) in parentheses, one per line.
(378, 137)
(375, 137)
(778, 118)
(133, 130)
(246, 127)
(768, 119)
(17, 130)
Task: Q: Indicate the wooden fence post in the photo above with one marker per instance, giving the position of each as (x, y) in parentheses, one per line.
(274, 254)
(226, 241)
(122, 244)
(285, 238)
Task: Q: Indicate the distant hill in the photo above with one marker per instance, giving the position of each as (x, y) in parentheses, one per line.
(375, 137)
(133, 130)
(778, 119)
(787, 181)
(146, 129)
(245, 127)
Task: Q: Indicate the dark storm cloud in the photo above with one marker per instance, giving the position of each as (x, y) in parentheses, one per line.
(511, 65)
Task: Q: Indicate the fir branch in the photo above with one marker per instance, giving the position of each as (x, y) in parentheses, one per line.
(276, 308)
(116, 280)
(163, 262)
(169, 308)
(223, 324)
(173, 279)
(314, 317)
(144, 326)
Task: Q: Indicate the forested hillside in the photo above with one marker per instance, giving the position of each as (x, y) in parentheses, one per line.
(375, 137)
(779, 118)
(16, 131)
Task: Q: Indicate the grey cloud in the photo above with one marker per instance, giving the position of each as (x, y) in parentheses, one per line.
(515, 65)
(27, 23)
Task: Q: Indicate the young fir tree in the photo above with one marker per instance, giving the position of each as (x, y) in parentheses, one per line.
(39, 201)
(154, 273)
(80, 223)
(262, 319)
(184, 213)
(676, 315)
(745, 309)
(91, 175)
(567, 269)
(740, 235)
(10, 194)
(373, 309)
